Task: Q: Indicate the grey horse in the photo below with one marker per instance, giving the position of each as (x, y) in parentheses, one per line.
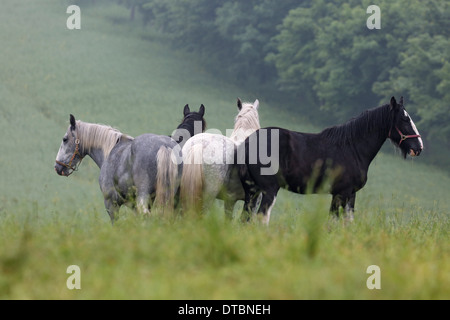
(138, 171)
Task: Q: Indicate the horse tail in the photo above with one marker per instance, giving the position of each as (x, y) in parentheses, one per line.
(192, 180)
(241, 160)
(166, 180)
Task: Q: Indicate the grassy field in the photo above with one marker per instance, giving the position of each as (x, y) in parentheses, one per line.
(108, 74)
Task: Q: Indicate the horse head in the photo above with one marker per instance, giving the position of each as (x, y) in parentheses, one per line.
(69, 155)
(403, 131)
(192, 124)
(190, 117)
(246, 122)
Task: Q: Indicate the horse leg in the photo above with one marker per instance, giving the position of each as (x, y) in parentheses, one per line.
(229, 206)
(350, 208)
(267, 202)
(249, 205)
(347, 202)
(112, 208)
(142, 204)
(335, 204)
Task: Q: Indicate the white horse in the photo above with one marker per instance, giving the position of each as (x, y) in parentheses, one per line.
(209, 169)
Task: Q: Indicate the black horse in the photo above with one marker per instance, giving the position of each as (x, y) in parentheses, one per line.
(334, 161)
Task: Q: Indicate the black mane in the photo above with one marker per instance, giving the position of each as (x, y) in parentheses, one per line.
(374, 121)
(193, 116)
(188, 124)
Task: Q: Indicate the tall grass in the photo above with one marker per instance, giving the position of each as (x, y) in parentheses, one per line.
(211, 258)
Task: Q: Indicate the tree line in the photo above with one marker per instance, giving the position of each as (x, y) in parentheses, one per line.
(321, 52)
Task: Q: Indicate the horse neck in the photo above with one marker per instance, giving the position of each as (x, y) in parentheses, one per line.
(368, 142)
(186, 131)
(97, 141)
(97, 155)
(366, 148)
(193, 127)
(238, 136)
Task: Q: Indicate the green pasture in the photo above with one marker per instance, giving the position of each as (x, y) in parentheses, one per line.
(112, 74)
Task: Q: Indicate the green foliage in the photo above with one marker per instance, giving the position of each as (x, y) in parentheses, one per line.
(423, 74)
(190, 23)
(322, 53)
(325, 49)
(422, 68)
(235, 33)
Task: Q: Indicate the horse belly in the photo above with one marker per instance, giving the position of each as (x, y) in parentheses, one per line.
(349, 183)
(307, 186)
(125, 185)
(310, 178)
(293, 184)
(233, 189)
(117, 181)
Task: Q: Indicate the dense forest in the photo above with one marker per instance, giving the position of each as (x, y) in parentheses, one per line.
(321, 53)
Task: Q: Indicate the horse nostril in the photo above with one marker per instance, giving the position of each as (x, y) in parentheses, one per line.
(59, 170)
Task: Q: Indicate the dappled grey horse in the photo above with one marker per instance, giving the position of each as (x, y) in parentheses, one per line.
(137, 171)
(209, 170)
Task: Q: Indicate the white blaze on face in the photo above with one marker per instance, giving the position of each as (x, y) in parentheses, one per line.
(415, 129)
(62, 152)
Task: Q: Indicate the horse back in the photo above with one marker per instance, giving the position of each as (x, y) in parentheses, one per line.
(132, 164)
(313, 164)
(307, 163)
(144, 150)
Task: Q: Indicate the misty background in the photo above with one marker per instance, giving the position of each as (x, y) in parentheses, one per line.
(317, 57)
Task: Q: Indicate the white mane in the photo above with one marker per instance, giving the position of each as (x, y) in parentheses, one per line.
(93, 135)
(246, 122)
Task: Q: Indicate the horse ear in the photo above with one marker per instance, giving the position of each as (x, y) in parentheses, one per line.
(201, 111)
(186, 110)
(393, 103)
(401, 101)
(239, 104)
(73, 123)
(256, 104)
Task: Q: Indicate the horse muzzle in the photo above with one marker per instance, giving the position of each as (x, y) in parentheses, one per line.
(413, 153)
(60, 170)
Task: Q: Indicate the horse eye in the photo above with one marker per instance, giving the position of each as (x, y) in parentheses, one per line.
(65, 139)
